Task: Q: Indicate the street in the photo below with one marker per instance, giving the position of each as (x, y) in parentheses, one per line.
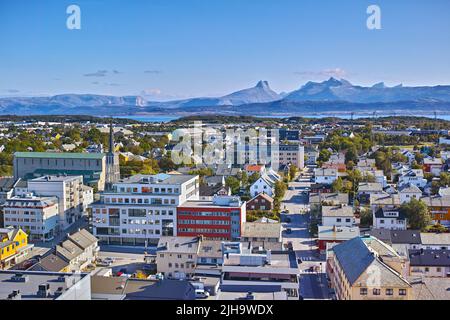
(313, 284)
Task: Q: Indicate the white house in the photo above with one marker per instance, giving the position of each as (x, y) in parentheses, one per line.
(338, 216)
(325, 176)
(408, 192)
(262, 185)
(414, 177)
(389, 218)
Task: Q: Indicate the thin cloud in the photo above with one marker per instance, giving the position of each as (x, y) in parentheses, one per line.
(116, 72)
(336, 73)
(153, 71)
(13, 91)
(99, 73)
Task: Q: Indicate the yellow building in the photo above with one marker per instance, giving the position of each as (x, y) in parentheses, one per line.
(365, 268)
(13, 245)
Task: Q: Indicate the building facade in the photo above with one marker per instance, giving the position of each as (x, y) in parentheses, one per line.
(141, 209)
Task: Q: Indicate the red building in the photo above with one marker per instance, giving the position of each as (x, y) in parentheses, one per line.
(220, 219)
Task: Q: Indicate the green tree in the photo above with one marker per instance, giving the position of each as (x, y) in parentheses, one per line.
(416, 211)
(233, 183)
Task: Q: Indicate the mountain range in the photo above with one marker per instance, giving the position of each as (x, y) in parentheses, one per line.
(332, 95)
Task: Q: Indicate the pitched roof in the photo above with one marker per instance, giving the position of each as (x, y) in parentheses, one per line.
(59, 155)
(429, 257)
(435, 238)
(354, 258)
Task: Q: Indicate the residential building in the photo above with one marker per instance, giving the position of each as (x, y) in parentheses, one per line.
(439, 208)
(259, 233)
(70, 193)
(365, 189)
(433, 166)
(219, 219)
(142, 208)
(39, 216)
(261, 202)
(389, 218)
(317, 200)
(14, 246)
(413, 177)
(291, 154)
(325, 176)
(435, 241)
(351, 266)
(338, 216)
(176, 257)
(407, 192)
(429, 263)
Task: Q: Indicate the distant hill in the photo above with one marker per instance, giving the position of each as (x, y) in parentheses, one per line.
(332, 95)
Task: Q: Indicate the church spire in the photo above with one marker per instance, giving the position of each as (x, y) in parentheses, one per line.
(111, 137)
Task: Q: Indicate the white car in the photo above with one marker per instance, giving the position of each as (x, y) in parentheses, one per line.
(201, 294)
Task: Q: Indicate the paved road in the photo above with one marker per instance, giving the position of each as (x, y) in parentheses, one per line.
(312, 285)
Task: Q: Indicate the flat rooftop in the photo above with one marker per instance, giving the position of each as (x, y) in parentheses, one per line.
(57, 282)
(161, 178)
(60, 155)
(205, 204)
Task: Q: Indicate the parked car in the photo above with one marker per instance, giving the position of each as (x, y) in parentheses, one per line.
(201, 294)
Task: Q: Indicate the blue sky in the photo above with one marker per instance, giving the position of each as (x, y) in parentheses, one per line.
(183, 48)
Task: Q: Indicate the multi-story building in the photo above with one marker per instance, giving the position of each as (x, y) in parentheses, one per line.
(176, 257)
(31, 285)
(70, 193)
(352, 265)
(14, 246)
(219, 219)
(246, 271)
(291, 154)
(140, 209)
(429, 263)
(38, 216)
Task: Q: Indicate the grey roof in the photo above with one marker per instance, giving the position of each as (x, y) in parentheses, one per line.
(335, 198)
(6, 183)
(159, 290)
(210, 249)
(161, 178)
(425, 288)
(406, 236)
(370, 187)
(337, 233)
(261, 230)
(355, 257)
(442, 239)
(337, 211)
(83, 238)
(409, 188)
(178, 244)
(429, 257)
(51, 263)
(29, 288)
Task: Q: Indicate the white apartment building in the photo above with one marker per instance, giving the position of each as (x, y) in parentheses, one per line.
(70, 193)
(36, 215)
(142, 208)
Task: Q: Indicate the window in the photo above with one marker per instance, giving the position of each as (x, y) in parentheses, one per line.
(363, 291)
(402, 292)
(389, 292)
(376, 292)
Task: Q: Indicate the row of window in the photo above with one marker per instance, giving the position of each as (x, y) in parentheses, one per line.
(154, 201)
(148, 190)
(203, 230)
(377, 292)
(208, 222)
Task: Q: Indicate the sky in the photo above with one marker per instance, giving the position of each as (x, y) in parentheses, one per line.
(172, 49)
